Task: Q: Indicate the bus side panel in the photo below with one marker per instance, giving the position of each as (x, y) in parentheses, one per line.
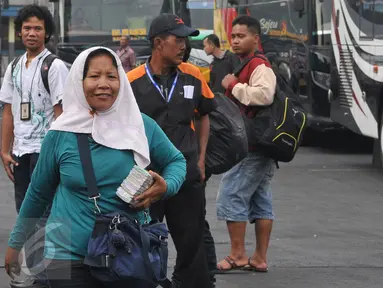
(350, 105)
(340, 105)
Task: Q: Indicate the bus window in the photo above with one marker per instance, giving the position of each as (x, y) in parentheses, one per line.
(278, 19)
(103, 18)
(354, 4)
(378, 29)
(322, 23)
(87, 18)
(366, 22)
(201, 14)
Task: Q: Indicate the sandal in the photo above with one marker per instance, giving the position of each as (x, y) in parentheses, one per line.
(233, 266)
(250, 267)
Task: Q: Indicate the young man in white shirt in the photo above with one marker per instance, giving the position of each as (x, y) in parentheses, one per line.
(29, 109)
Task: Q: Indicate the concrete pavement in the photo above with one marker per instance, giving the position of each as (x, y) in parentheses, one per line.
(327, 233)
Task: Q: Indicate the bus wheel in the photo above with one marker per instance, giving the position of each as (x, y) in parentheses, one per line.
(377, 156)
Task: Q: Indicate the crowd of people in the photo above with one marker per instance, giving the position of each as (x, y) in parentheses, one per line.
(155, 116)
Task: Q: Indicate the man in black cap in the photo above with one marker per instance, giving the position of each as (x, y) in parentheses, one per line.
(171, 92)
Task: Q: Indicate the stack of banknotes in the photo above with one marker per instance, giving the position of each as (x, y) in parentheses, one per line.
(138, 181)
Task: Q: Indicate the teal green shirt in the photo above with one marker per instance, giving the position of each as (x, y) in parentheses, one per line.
(58, 176)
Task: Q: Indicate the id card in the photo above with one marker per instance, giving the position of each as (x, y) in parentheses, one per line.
(25, 111)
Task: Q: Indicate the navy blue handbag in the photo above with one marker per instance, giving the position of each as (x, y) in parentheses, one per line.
(121, 248)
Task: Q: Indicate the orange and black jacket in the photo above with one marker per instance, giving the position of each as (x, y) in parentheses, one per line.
(176, 116)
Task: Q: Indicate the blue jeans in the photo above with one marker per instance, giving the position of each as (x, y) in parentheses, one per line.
(245, 190)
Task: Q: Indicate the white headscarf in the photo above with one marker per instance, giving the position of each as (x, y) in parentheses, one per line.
(120, 127)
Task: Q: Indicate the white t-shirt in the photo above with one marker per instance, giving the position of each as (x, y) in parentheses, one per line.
(28, 135)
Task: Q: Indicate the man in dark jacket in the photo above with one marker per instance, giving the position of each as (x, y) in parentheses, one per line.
(223, 64)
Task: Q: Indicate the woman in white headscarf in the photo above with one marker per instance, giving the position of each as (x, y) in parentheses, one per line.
(98, 101)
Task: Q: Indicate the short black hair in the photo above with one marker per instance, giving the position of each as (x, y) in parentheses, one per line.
(212, 38)
(41, 13)
(96, 53)
(252, 24)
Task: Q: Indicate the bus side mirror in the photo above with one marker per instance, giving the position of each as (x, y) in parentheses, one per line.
(299, 5)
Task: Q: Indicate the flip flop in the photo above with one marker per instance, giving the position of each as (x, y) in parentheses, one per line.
(250, 267)
(233, 266)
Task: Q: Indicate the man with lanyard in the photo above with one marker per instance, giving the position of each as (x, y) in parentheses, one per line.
(171, 92)
(29, 109)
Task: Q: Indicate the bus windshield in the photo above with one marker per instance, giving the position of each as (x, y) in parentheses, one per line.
(107, 18)
(278, 18)
(83, 20)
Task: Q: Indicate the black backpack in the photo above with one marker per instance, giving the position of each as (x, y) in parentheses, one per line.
(277, 129)
(47, 63)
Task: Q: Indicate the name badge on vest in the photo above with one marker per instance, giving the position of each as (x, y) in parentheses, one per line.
(25, 111)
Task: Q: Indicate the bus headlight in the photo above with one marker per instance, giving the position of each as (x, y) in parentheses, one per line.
(321, 79)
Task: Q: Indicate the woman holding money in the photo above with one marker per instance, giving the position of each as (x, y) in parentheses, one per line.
(99, 102)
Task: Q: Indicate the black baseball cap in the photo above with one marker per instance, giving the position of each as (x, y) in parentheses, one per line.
(170, 23)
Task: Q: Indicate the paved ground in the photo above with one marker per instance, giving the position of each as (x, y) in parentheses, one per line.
(328, 233)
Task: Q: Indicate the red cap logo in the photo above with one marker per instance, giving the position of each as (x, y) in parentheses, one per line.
(179, 21)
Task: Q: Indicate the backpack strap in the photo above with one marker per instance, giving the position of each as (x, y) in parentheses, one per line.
(244, 63)
(47, 63)
(14, 63)
(87, 166)
(261, 56)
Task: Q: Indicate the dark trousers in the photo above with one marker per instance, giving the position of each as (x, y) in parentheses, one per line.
(209, 244)
(74, 274)
(23, 174)
(185, 217)
(34, 247)
(211, 256)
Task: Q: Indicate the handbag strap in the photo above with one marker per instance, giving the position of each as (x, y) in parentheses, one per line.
(87, 168)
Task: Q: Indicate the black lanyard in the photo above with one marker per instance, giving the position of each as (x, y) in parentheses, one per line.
(33, 78)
